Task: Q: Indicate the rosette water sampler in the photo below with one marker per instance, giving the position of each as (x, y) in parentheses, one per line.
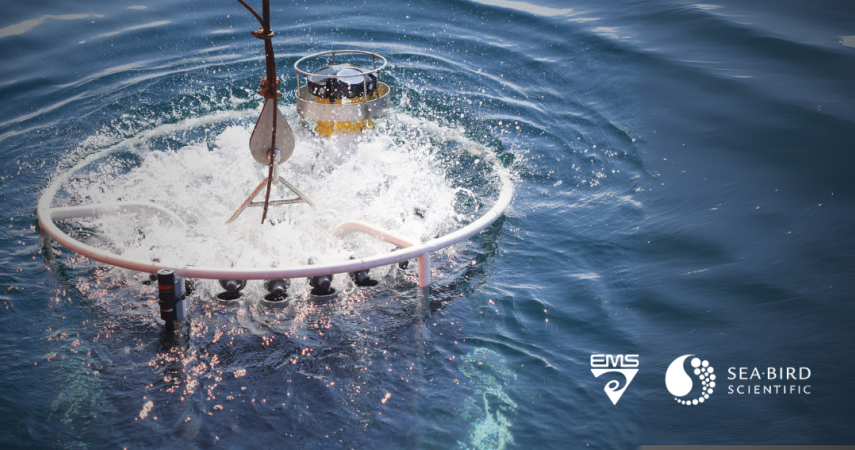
(338, 93)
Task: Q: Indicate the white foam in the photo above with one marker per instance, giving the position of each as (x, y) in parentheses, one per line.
(381, 177)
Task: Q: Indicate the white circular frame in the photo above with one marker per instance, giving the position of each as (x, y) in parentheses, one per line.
(412, 249)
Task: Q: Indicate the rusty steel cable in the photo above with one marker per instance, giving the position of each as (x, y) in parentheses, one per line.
(268, 86)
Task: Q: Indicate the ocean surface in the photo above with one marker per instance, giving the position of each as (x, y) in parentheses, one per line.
(683, 180)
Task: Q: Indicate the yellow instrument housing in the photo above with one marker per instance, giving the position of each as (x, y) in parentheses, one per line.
(327, 128)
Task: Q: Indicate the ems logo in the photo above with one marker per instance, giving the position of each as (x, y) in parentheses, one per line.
(601, 364)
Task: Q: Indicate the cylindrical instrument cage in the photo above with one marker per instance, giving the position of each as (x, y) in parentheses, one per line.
(308, 108)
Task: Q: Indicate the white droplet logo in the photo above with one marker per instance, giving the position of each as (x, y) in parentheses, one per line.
(679, 383)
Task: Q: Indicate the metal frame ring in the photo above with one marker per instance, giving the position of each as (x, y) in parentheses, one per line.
(333, 53)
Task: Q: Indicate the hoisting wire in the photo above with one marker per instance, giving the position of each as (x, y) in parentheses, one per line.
(269, 85)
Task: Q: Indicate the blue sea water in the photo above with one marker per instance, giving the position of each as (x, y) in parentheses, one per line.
(683, 178)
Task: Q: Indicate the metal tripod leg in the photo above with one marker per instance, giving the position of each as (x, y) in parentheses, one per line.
(297, 191)
(248, 200)
(249, 203)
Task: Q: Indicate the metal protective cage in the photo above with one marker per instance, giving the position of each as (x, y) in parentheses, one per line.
(307, 108)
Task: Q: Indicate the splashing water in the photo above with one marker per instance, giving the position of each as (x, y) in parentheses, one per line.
(405, 175)
(409, 174)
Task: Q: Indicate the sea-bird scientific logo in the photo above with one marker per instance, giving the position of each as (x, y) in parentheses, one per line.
(601, 364)
(680, 384)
